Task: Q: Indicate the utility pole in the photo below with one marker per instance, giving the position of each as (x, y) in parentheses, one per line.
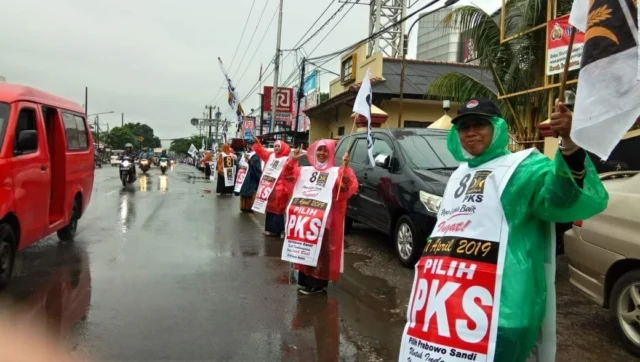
(98, 129)
(209, 141)
(86, 101)
(217, 123)
(300, 96)
(276, 73)
(121, 119)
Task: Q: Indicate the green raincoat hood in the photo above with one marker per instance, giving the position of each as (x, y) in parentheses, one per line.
(497, 148)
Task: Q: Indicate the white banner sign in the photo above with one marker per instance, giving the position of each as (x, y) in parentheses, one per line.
(307, 214)
(228, 170)
(270, 176)
(214, 170)
(243, 168)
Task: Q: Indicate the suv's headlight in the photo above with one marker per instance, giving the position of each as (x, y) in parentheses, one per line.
(430, 201)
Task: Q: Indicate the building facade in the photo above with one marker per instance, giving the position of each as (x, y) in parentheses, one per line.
(437, 42)
(333, 118)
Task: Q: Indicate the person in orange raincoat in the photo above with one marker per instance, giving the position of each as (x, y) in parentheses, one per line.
(208, 158)
(279, 198)
(220, 188)
(321, 155)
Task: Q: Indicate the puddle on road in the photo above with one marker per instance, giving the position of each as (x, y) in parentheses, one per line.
(358, 318)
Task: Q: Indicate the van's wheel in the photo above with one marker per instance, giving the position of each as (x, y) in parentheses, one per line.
(408, 242)
(348, 225)
(68, 233)
(624, 309)
(8, 244)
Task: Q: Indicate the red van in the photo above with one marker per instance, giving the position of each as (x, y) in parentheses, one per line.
(46, 169)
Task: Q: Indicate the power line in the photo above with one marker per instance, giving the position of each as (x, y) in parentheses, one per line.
(253, 88)
(325, 24)
(252, 36)
(259, 43)
(236, 52)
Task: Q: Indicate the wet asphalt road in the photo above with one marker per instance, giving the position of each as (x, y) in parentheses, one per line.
(166, 270)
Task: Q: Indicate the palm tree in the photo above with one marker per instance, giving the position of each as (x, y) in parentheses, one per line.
(516, 65)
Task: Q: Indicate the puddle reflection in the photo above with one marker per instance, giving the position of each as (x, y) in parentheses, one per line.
(53, 289)
(127, 210)
(164, 183)
(317, 326)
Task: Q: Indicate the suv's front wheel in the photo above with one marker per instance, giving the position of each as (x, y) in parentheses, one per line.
(408, 242)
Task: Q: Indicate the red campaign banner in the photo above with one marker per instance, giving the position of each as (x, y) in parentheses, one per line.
(284, 102)
(559, 33)
(452, 306)
(304, 223)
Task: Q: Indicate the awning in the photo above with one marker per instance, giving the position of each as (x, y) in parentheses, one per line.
(375, 111)
(443, 123)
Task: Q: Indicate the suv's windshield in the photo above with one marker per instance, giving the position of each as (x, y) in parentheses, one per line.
(427, 151)
(4, 119)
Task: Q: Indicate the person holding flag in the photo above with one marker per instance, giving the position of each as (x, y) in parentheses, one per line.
(491, 272)
(321, 155)
(279, 197)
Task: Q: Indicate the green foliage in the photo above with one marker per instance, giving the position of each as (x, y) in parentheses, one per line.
(119, 136)
(516, 65)
(181, 145)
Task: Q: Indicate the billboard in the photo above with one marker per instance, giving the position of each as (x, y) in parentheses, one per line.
(284, 102)
(311, 82)
(559, 33)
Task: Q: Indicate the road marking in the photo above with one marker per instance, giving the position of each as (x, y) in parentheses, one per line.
(112, 191)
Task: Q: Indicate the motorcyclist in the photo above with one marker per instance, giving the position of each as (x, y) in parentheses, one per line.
(164, 155)
(128, 152)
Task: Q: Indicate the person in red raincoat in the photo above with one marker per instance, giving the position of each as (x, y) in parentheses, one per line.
(279, 198)
(321, 155)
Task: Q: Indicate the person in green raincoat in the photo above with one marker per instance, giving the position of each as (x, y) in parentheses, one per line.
(537, 192)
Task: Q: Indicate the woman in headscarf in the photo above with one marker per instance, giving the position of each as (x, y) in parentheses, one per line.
(221, 188)
(251, 181)
(321, 155)
(279, 198)
(208, 158)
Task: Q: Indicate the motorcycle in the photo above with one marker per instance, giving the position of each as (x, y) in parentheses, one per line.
(163, 165)
(98, 162)
(145, 165)
(126, 171)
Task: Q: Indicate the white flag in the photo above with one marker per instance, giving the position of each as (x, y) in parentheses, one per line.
(192, 150)
(362, 106)
(235, 109)
(607, 102)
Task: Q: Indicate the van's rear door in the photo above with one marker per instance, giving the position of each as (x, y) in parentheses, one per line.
(31, 173)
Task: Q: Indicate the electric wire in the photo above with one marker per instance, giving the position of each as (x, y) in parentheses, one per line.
(251, 40)
(236, 52)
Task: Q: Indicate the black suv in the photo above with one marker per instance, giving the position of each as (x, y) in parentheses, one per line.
(401, 194)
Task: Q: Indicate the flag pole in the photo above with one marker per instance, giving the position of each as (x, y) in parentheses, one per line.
(345, 163)
(565, 72)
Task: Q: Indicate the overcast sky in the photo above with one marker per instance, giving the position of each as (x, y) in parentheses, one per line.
(156, 60)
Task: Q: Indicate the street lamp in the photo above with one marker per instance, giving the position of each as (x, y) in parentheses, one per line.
(406, 45)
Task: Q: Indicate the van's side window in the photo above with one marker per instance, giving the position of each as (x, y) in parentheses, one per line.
(381, 147)
(342, 148)
(82, 133)
(27, 121)
(71, 130)
(360, 152)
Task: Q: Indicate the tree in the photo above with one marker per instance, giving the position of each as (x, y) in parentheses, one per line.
(119, 136)
(142, 130)
(516, 65)
(181, 145)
